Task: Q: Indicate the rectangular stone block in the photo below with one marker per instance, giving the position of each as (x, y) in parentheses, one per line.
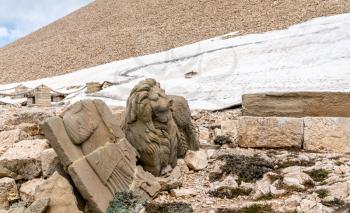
(297, 104)
(270, 132)
(327, 134)
(55, 131)
(90, 186)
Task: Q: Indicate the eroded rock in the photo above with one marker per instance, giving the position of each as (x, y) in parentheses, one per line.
(270, 132)
(196, 160)
(8, 192)
(22, 160)
(27, 190)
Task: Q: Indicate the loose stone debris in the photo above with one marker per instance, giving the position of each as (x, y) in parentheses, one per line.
(243, 163)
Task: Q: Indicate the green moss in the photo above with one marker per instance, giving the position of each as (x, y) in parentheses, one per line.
(256, 208)
(309, 184)
(289, 163)
(176, 207)
(265, 197)
(318, 174)
(322, 193)
(229, 192)
(125, 202)
(248, 169)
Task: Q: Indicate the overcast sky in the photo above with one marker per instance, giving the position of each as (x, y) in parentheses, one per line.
(21, 17)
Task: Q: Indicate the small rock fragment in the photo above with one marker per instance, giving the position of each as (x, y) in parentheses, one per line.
(196, 160)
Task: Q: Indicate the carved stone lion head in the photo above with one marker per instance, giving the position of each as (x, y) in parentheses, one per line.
(150, 127)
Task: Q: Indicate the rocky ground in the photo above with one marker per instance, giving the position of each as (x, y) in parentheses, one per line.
(109, 30)
(221, 177)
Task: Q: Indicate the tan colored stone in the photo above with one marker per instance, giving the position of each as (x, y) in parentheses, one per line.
(158, 126)
(270, 132)
(23, 159)
(327, 134)
(88, 141)
(49, 162)
(39, 206)
(60, 193)
(8, 192)
(9, 138)
(183, 192)
(27, 190)
(31, 129)
(196, 160)
(297, 104)
(230, 128)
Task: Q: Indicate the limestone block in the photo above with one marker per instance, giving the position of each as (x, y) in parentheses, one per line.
(270, 132)
(9, 138)
(27, 190)
(49, 162)
(297, 104)
(23, 159)
(60, 193)
(67, 151)
(327, 134)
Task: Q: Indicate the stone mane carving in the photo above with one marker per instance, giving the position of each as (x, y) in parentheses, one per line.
(90, 144)
(158, 126)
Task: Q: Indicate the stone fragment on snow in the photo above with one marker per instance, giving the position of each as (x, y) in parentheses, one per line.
(8, 192)
(60, 193)
(183, 192)
(49, 162)
(22, 161)
(27, 190)
(196, 160)
(327, 134)
(270, 132)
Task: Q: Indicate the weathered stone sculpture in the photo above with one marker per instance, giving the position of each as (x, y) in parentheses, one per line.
(90, 144)
(158, 126)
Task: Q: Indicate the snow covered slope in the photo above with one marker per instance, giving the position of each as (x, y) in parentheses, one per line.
(312, 56)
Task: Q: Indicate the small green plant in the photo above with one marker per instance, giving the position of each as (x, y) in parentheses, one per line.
(322, 193)
(256, 208)
(309, 184)
(248, 169)
(125, 202)
(229, 192)
(318, 175)
(289, 163)
(268, 196)
(176, 207)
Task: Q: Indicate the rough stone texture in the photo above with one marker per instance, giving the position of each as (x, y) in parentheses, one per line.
(297, 104)
(88, 141)
(143, 28)
(327, 134)
(161, 130)
(49, 162)
(30, 128)
(196, 160)
(8, 192)
(9, 138)
(230, 128)
(270, 132)
(183, 192)
(27, 190)
(296, 179)
(60, 193)
(22, 161)
(39, 206)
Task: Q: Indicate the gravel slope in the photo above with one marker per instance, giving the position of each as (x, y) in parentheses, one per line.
(109, 30)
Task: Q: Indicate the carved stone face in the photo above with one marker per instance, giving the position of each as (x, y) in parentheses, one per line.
(160, 105)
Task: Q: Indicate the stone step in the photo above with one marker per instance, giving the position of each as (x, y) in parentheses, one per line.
(297, 104)
(331, 134)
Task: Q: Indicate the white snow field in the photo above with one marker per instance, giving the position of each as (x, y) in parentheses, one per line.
(312, 56)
